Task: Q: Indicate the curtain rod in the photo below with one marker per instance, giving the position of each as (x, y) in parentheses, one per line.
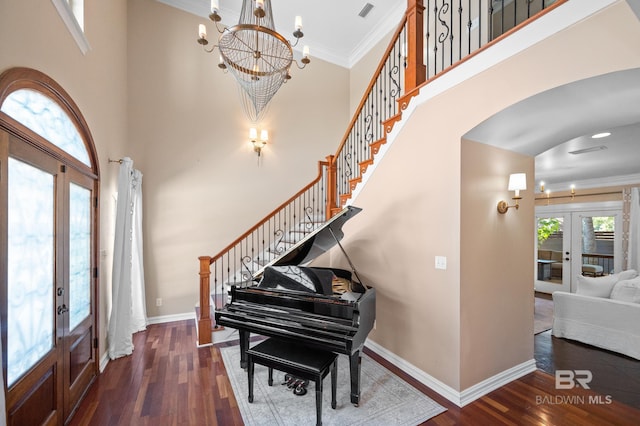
(115, 161)
(577, 195)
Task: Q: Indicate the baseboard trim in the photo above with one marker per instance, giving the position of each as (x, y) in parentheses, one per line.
(431, 382)
(104, 360)
(170, 318)
(458, 398)
(494, 382)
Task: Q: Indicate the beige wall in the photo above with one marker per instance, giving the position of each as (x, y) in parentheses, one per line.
(435, 195)
(411, 213)
(496, 296)
(202, 183)
(33, 35)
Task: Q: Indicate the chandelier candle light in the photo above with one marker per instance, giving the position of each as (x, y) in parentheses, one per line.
(257, 56)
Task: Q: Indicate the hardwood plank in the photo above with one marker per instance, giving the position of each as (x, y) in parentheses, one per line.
(169, 381)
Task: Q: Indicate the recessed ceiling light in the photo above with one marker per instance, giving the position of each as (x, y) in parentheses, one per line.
(601, 135)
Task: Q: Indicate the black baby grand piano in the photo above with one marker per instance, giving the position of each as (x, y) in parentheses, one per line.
(291, 302)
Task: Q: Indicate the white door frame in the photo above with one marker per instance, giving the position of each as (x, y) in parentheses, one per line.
(572, 240)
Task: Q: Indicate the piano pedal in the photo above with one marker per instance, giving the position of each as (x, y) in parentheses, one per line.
(300, 390)
(288, 380)
(294, 383)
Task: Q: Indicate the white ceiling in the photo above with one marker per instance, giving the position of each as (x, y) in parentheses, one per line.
(547, 126)
(332, 28)
(554, 123)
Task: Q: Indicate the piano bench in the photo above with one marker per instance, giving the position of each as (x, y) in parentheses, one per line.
(298, 360)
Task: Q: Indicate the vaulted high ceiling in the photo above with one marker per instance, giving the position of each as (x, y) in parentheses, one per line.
(555, 123)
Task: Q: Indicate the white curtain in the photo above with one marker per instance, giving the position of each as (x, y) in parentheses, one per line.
(634, 230)
(128, 311)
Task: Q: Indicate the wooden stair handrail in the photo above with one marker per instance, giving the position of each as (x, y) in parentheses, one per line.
(372, 82)
(267, 217)
(204, 312)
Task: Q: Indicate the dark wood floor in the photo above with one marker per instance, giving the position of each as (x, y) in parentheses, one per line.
(168, 381)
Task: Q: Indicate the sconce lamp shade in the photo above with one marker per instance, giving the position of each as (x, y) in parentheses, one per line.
(517, 181)
(253, 134)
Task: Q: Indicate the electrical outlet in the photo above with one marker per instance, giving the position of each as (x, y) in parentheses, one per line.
(159, 301)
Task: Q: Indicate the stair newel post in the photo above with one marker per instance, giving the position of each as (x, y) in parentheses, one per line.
(332, 190)
(416, 71)
(204, 317)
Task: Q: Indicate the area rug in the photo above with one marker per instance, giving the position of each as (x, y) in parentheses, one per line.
(385, 399)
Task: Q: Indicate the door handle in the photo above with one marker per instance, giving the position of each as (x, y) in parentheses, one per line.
(62, 309)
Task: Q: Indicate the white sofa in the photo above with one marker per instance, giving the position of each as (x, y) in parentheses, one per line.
(604, 312)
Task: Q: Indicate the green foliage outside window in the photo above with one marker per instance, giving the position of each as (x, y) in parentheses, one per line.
(546, 227)
(603, 224)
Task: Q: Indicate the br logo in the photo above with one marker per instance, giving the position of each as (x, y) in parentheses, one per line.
(569, 379)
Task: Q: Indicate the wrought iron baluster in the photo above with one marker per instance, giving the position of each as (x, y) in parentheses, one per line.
(450, 34)
(502, 18)
(427, 31)
(460, 29)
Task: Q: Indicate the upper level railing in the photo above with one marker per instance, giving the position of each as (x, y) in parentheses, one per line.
(433, 37)
(379, 103)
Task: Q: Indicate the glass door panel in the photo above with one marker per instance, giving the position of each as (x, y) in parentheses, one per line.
(552, 266)
(30, 260)
(596, 243)
(79, 254)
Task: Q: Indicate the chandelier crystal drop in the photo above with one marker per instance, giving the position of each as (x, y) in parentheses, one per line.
(255, 53)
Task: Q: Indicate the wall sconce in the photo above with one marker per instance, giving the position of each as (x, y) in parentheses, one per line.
(258, 143)
(517, 182)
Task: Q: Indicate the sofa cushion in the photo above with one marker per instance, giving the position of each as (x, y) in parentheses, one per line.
(629, 274)
(602, 286)
(627, 291)
(595, 287)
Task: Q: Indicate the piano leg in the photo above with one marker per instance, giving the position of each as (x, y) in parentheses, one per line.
(354, 367)
(244, 347)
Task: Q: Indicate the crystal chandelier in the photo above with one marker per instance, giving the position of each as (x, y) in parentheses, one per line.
(257, 56)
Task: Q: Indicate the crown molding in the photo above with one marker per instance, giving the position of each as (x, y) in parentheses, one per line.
(376, 34)
(318, 50)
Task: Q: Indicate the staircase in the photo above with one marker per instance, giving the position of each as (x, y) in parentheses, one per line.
(451, 31)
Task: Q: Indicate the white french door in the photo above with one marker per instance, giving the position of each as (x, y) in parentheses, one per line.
(553, 251)
(574, 240)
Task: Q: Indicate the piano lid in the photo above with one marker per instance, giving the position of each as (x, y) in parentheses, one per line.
(316, 242)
